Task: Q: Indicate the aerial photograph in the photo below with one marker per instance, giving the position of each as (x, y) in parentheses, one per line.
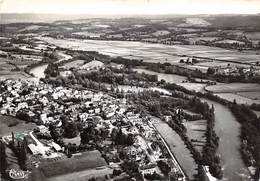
(130, 90)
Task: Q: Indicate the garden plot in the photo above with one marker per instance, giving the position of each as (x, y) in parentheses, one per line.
(196, 132)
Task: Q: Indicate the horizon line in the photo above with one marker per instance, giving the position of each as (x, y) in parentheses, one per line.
(130, 14)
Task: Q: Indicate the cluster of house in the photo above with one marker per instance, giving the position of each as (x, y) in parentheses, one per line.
(45, 104)
(236, 71)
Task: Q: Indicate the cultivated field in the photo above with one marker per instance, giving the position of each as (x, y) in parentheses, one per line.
(88, 34)
(193, 86)
(74, 64)
(233, 87)
(250, 95)
(93, 64)
(14, 75)
(7, 70)
(9, 124)
(239, 99)
(253, 36)
(83, 175)
(196, 132)
(243, 93)
(87, 160)
(153, 52)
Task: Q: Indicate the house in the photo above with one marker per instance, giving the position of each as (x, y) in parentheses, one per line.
(42, 129)
(33, 149)
(109, 114)
(115, 65)
(148, 169)
(56, 146)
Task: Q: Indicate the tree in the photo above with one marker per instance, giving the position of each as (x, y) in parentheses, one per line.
(88, 134)
(21, 114)
(153, 176)
(181, 61)
(52, 70)
(116, 172)
(23, 154)
(164, 167)
(130, 167)
(54, 133)
(211, 71)
(216, 171)
(3, 161)
(123, 139)
(71, 130)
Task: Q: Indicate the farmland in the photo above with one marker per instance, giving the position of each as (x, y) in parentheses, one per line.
(241, 92)
(83, 161)
(9, 124)
(196, 132)
(88, 34)
(253, 36)
(153, 52)
(233, 87)
(239, 99)
(74, 64)
(250, 95)
(190, 44)
(83, 175)
(8, 70)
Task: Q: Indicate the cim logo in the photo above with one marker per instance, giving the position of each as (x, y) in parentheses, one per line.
(17, 174)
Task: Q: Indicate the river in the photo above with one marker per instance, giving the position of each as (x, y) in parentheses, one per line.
(228, 129)
(176, 79)
(38, 71)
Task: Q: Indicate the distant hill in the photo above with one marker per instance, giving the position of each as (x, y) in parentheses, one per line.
(230, 21)
(35, 18)
(220, 21)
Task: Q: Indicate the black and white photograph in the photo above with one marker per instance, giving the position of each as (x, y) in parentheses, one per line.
(130, 90)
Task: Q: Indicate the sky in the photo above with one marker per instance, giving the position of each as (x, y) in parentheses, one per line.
(131, 6)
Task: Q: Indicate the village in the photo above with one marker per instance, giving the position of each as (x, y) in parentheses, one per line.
(72, 122)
